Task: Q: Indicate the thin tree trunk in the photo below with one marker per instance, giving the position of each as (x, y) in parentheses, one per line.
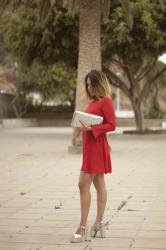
(139, 116)
(89, 55)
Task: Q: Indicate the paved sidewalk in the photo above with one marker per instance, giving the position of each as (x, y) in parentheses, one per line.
(39, 198)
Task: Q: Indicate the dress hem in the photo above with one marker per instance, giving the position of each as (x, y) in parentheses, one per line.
(89, 172)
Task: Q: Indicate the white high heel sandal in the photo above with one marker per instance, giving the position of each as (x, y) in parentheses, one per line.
(99, 228)
(77, 238)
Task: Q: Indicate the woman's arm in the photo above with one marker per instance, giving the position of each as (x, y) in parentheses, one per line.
(109, 117)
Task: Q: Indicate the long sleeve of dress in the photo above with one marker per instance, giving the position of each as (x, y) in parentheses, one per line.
(109, 119)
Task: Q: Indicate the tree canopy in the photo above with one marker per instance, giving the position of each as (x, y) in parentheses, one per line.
(55, 39)
(146, 38)
(46, 52)
(135, 51)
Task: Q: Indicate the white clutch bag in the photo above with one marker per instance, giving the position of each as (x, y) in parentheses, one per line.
(86, 118)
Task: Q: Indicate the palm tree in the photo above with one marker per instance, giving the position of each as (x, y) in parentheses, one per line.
(89, 45)
(89, 54)
(89, 51)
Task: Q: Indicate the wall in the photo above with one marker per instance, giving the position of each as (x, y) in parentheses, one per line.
(6, 110)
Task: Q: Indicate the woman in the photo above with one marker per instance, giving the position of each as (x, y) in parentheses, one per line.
(96, 153)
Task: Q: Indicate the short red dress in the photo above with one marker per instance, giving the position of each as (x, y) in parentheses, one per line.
(96, 150)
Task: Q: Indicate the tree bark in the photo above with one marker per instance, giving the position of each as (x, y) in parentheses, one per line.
(132, 92)
(89, 55)
(139, 116)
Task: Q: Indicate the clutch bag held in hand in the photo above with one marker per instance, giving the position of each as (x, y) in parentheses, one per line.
(88, 119)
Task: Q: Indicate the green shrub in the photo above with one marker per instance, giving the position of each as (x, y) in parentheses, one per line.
(155, 111)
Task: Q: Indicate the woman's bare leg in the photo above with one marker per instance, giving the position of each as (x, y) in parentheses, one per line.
(99, 184)
(85, 182)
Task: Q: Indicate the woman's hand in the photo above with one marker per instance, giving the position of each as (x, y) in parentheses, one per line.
(85, 127)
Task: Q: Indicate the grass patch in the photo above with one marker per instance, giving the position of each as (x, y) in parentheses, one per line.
(122, 204)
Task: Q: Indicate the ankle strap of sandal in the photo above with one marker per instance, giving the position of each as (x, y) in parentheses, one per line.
(83, 227)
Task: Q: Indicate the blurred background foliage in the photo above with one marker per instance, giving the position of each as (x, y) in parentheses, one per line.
(46, 51)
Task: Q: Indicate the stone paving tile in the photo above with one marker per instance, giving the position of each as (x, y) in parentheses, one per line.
(38, 230)
(152, 234)
(17, 222)
(18, 204)
(10, 230)
(153, 226)
(55, 223)
(58, 217)
(128, 218)
(81, 246)
(124, 225)
(151, 243)
(19, 246)
(111, 243)
(35, 211)
(20, 215)
(131, 213)
(153, 213)
(140, 206)
(126, 233)
(5, 237)
(135, 248)
(159, 208)
(27, 238)
(158, 219)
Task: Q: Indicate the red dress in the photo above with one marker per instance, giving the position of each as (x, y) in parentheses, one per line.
(96, 150)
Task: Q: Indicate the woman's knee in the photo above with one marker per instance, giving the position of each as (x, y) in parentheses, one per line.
(82, 185)
(95, 184)
(99, 183)
(100, 188)
(85, 181)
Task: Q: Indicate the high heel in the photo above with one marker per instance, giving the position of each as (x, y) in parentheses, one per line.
(77, 238)
(100, 227)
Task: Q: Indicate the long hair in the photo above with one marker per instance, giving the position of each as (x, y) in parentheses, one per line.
(99, 84)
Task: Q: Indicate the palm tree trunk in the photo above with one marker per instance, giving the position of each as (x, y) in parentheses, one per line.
(89, 55)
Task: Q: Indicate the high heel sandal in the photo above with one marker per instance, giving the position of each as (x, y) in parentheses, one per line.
(100, 227)
(77, 238)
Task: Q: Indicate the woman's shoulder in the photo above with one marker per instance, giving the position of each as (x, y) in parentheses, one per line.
(106, 99)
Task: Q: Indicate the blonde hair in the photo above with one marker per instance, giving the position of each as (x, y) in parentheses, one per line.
(99, 84)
